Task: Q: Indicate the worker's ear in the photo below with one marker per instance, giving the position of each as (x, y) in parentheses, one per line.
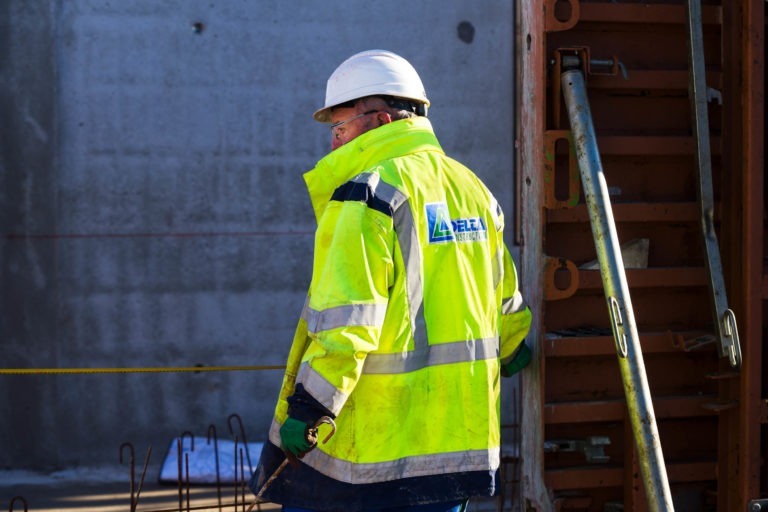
(383, 118)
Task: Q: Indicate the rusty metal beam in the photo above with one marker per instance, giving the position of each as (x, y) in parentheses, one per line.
(643, 13)
(633, 212)
(651, 79)
(615, 410)
(651, 145)
(583, 478)
(743, 132)
(586, 478)
(649, 278)
(739, 409)
(752, 149)
(653, 343)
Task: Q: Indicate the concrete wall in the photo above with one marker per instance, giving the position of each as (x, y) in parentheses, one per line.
(152, 208)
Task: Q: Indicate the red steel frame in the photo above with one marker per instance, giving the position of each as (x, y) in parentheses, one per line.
(729, 407)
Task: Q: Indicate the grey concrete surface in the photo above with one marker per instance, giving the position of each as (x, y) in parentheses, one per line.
(78, 491)
(104, 490)
(152, 208)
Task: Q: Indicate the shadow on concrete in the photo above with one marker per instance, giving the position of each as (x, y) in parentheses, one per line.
(73, 496)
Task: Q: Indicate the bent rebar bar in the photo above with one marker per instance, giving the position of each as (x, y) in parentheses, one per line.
(131, 463)
(181, 478)
(135, 491)
(242, 435)
(212, 434)
(11, 507)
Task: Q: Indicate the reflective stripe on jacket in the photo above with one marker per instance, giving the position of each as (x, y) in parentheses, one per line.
(413, 303)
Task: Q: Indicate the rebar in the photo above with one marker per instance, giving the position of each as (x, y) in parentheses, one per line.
(242, 478)
(212, 435)
(135, 492)
(13, 502)
(234, 469)
(180, 451)
(242, 435)
(131, 463)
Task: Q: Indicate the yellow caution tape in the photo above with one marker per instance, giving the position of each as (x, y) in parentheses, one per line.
(178, 369)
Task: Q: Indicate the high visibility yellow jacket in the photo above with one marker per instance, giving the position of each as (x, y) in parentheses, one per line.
(412, 306)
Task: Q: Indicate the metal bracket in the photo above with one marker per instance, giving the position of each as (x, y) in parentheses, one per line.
(715, 95)
(551, 267)
(591, 447)
(617, 324)
(551, 138)
(552, 23)
(757, 506)
(579, 57)
(692, 344)
(565, 58)
(613, 65)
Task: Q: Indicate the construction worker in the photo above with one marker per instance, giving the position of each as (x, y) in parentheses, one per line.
(413, 312)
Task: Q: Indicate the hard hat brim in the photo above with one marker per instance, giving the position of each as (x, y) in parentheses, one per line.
(323, 115)
(371, 73)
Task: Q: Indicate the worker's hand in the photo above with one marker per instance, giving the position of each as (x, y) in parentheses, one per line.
(520, 361)
(297, 438)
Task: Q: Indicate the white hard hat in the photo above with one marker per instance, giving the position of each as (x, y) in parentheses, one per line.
(371, 73)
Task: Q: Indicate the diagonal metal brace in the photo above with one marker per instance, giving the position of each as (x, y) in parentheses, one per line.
(724, 318)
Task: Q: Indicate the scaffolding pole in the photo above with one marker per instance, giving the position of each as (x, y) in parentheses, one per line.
(614, 279)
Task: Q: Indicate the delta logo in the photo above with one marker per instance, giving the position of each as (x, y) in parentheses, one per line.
(442, 228)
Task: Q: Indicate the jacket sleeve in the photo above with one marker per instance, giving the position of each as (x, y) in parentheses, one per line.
(352, 272)
(515, 314)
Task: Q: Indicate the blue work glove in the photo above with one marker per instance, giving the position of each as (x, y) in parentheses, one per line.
(519, 361)
(297, 437)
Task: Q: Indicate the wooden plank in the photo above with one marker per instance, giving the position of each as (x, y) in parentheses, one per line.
(583, 478)
(604, 12)
(650, 79)
(632, 212)
(670, 407)
(638, 145)
(592, 477)
(584, 412)
(682, 407)
(583, 346)
(742, 444)
(668, 277)
(692, 472)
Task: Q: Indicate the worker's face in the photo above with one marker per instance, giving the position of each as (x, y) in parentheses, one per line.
(350, 122)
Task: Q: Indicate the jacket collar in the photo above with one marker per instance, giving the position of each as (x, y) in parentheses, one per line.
(387, 141)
